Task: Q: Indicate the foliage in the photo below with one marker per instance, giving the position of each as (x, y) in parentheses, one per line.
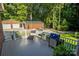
(64, 25)
(76, 34)
(15, 11)
(20, 33)
(62, 50)
(57, 15)
(69, 38)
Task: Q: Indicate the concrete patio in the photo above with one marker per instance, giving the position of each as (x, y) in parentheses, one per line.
(24, 47)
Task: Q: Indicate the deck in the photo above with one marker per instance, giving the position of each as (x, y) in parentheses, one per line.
(24, 47)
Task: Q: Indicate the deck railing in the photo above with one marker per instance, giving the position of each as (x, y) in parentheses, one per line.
(70, 44)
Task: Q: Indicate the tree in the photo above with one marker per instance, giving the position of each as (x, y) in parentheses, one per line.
(15, 11)
(52, 15)
(64, 25)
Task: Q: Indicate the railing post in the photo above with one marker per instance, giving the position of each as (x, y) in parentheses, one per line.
(78, 47)
(1, 28)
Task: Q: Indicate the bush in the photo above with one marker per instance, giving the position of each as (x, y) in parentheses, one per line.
(62, 50)
(64, 25)
(70, 37)
(76, 34)
(20, 33)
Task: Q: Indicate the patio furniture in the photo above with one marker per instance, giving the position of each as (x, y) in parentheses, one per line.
(30, 37)
(53, 39)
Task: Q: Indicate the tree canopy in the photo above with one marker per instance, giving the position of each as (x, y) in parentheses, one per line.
(59, 16)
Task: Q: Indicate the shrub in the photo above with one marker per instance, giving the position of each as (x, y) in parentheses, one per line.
(69, 38)
(76, 34)
(64, 25)
(62, 50)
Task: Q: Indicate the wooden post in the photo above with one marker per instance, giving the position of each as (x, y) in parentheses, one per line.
(14, 35)
(1, 29)
(78, 48)
(1, 37)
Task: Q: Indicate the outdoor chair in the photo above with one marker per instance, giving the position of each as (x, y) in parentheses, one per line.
(31, 37)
